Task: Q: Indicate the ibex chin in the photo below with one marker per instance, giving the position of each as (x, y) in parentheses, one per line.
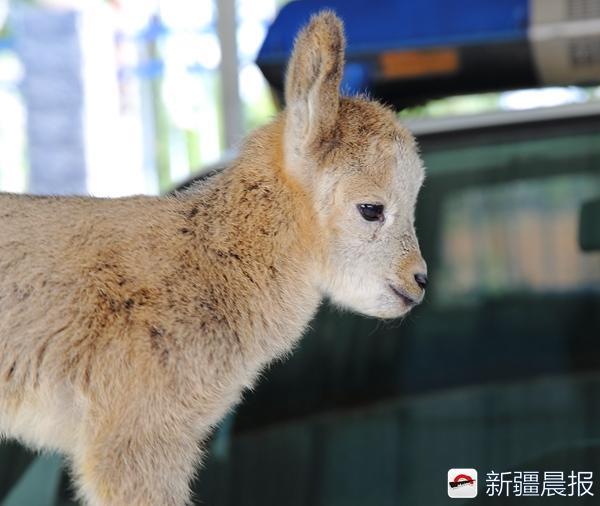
(129, 327)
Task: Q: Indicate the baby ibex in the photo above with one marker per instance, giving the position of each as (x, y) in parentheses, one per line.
(129, 327)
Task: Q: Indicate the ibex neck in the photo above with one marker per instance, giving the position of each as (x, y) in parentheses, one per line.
(259, 237)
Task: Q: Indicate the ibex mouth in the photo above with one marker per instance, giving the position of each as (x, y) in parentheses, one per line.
(403, 296)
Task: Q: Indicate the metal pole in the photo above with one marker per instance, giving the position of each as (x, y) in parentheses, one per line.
(230, 96)
(49, 46)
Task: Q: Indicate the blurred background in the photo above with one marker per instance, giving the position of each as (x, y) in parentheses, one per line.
(498, 370)
(131, 96)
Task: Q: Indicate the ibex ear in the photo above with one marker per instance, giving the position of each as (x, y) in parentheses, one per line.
(312, 87)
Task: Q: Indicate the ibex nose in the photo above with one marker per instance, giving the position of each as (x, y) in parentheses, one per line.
(421, 279)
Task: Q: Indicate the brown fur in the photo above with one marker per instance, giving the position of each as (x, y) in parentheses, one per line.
(128, 327)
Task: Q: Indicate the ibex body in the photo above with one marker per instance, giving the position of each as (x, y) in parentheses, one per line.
(129, 327)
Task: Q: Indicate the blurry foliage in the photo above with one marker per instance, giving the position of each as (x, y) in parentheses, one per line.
(5, 30)
(475, 104)
(259, 112)
(463, 104)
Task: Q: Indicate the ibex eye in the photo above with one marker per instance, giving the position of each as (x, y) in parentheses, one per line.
(371, 212)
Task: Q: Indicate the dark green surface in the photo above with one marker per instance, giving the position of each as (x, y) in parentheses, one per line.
(13, 463)
(589, 226)
(398, 452)
(39, 485)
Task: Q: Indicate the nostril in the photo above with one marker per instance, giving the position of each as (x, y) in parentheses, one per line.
(421, 279)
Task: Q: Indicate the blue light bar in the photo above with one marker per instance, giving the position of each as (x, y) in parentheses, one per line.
(382, 25)
(407, 52)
